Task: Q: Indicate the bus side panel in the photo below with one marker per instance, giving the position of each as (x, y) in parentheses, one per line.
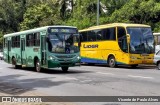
(98, 52)
(112, 48)
(31, 53)
(16, 53)
(90, 52)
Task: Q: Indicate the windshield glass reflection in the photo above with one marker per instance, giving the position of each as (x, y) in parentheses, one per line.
(63, 43)
(142, 40)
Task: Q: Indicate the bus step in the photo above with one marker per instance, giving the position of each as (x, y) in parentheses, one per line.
(23, 65)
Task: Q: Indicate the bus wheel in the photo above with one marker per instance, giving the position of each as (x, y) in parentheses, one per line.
(134, 66)
(65, 69)
(38, 66)
(112, 61)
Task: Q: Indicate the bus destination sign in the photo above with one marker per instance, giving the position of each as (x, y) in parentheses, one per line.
(63, 30)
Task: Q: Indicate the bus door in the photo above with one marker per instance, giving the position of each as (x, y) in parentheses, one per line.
(122, 41)
(23, 51)
(43, 50)
(9, 49)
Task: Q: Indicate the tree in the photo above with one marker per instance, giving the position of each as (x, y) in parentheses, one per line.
(34, 15)
(138, 12)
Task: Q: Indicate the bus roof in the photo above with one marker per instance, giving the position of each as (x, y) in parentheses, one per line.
(113, 25)
(35, 30)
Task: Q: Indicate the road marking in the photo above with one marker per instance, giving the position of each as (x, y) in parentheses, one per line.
(134, 76)
(86, 81)
(105, 73)
(1, 68)
(71, 78)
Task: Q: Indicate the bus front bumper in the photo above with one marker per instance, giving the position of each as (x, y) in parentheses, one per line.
(145, 61)
(53, 64)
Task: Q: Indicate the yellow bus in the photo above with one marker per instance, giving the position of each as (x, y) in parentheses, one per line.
(117, 43)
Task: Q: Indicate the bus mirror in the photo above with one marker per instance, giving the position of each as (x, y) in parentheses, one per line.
(128, 38)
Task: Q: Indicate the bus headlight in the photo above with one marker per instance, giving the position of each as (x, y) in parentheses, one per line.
(78, 57)
(52, 58)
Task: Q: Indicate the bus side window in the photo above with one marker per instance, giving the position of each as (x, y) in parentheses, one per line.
(4, 42)
(99, 36)
(36, 39)
(121, 32)
(109, 34)
(84, 36)
(18, 41)
(13, 41)
(30, 40)
(112, 34)
(91, 36)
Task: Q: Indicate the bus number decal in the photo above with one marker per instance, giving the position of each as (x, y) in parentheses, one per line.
(90, 46)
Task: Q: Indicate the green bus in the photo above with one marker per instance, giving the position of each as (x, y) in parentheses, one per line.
(44, 47)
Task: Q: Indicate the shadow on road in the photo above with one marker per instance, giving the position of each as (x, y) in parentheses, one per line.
(140, 67)
(54, 71)
(17, 84)
(59, 71)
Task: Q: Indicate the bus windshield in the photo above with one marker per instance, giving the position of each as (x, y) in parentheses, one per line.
(141, 40)
(63, 43)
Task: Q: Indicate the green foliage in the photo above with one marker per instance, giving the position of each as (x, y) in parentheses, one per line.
(16, 15)
(35, 16)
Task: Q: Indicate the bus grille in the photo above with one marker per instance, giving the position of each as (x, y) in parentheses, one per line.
(65, 60)
(65, 63)
(65, 56)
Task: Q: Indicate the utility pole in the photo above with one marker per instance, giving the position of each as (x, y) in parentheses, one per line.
(98, 12)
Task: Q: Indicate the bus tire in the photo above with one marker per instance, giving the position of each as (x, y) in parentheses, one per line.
(37, 66)
(112, 61)
(65, 69)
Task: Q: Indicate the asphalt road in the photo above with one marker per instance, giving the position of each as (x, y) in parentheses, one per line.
(98, 80)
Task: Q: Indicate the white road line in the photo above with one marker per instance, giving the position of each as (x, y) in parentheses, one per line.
(86, 81)
(105, 73)
(71, 78)
(134, 76)
(1, 68)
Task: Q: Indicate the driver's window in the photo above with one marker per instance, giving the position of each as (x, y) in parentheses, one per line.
(122, 39)
(69, 40)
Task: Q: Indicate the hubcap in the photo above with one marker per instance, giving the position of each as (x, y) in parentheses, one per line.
(38, 66)
(112, 62)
